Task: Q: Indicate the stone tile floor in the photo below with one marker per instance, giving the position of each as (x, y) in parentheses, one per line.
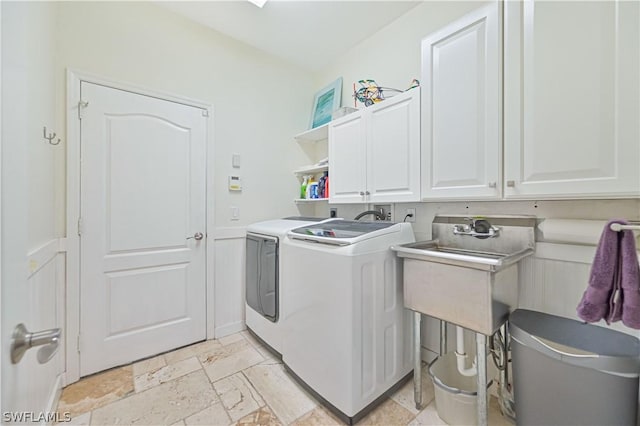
(233, 380)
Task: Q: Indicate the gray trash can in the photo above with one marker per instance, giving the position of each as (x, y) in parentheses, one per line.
(569, 373)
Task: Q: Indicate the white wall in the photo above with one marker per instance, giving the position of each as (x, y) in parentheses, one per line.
(30, 248)
(392, 58)
(259, 102)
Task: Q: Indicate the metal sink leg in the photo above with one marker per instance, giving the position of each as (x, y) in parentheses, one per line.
(481, 351)
(443, 337)
(417, 360)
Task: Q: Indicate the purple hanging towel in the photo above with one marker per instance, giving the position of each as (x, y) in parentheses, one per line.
(613, 292)
(629, 281)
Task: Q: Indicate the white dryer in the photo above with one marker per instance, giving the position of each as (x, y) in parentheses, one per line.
(263, 283)
(347, 335)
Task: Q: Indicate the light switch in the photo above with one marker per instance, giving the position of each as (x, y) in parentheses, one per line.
(235, 160)
(235, 213)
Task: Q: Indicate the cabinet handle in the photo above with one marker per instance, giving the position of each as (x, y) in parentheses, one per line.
(367, 193)
(511, 183)
(492, 184)
(361, 193)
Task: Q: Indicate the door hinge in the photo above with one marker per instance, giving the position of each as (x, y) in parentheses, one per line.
(78, 343)
(80, 226)
(81, 106)
(205, 113)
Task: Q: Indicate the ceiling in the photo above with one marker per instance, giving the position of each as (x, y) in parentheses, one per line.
(309, 34)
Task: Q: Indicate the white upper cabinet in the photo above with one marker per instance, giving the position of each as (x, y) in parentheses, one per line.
(461, 108)
(347, 157)
(572, 99)
(374, 153)
(393, 149)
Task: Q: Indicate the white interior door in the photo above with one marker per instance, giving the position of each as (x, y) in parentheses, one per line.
(143, 170)
(30, 255)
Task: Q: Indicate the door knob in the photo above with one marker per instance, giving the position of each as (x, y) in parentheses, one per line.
(23, 340)
(197, 236)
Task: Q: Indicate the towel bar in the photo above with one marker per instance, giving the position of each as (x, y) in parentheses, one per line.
(619, 227)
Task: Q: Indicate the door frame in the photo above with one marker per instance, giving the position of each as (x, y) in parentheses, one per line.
(72, 306)
(1, 400)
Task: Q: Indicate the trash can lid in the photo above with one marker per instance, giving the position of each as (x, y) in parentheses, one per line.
(576, 342)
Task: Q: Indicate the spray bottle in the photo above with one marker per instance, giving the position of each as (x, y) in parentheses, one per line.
(309, 187)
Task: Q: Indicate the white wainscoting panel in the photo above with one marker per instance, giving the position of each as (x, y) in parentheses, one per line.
(229, 252)
(554, 279)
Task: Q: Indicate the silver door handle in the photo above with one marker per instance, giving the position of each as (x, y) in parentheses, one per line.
(197, 236)
(23, 340)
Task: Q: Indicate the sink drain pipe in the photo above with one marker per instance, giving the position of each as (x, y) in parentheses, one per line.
(499, 348)
(461, 355)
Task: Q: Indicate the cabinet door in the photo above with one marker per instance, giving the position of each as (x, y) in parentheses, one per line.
(461, 108)
(572, 99)
(393, 149)
(347, 158)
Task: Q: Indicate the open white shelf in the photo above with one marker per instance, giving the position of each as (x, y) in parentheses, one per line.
(309, 200)
(310, 170)
(319, 134)
(314, 135)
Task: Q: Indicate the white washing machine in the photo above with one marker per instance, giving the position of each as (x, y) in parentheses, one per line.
(347, 335)
(263, 282)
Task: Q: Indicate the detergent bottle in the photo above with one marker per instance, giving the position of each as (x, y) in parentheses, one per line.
(310, 183)
(303, 187)
(326, 185)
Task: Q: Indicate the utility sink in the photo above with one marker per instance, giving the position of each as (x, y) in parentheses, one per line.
(434, 251)
(467, 277)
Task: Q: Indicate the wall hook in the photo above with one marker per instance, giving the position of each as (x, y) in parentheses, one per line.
(50, 137)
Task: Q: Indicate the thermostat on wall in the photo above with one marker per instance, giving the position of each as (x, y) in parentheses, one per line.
(235, 183)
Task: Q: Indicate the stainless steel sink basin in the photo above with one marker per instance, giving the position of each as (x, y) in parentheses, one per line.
(471, 282)
(433, 251)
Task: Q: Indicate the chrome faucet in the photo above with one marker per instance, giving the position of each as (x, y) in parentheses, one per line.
(378, 215)
(479, 228)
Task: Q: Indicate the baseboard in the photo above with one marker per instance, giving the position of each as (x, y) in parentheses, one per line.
(228, 329)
